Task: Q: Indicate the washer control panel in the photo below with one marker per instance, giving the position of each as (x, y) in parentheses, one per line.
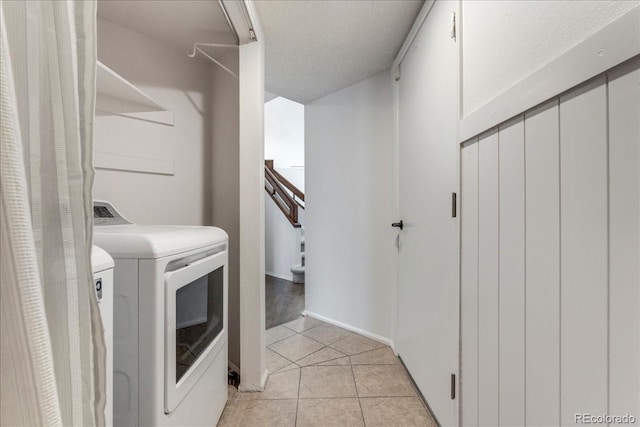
(105, 214)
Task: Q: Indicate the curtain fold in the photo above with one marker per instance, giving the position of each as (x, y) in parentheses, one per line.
(48, 98)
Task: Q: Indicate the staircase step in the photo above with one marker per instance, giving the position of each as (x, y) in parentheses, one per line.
(298, 273)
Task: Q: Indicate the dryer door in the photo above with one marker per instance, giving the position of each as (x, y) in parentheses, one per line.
(194, 331)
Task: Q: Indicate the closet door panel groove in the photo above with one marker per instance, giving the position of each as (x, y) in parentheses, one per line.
(584, 251)
(512, 274)
(542, 178)
(488, 290)
(469, 285)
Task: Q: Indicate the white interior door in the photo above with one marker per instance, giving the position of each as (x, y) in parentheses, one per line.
(427, 329)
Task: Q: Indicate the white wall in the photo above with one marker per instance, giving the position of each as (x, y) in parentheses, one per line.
(295, 176)
(505, 41)
(284, 132)
(284, 144)
(351, 258)
(225, 182)
(203, 145)
(181, 84)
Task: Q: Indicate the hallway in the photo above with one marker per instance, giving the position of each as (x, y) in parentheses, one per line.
(322, 375)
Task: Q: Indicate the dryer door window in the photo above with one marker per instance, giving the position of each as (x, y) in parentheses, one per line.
(199, 318)
(195, 330)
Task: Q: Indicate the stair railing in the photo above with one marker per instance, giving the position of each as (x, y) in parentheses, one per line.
(285, 195)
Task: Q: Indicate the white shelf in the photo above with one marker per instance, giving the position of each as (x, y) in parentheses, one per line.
(117, 96)
(109, 161)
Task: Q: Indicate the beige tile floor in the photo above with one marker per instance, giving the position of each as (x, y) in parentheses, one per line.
(322, 375)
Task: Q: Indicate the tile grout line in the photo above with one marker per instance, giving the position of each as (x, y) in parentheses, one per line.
(324, 361)
(325, 346)
(304, 330)
(298, 397)
(294, 361)
(284, 357)
(329, 345)
(279, 371)
(275, 342)
(302, 335)
(314, 352)
(355, 384)
(332, 348)
(361, 352)
(344, 355)
(400, 396)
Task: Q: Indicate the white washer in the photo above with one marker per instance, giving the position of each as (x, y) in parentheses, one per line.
(102, 266)
(170, 320)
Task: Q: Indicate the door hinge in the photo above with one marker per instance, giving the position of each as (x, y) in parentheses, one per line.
(453, 26)
(453, 386)
(454, 205)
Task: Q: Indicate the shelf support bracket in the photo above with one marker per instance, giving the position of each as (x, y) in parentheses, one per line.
(196, 48)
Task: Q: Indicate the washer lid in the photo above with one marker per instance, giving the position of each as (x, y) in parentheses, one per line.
(154, 241)
(100, 260)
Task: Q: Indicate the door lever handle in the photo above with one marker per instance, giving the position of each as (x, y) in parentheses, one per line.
(400, 225)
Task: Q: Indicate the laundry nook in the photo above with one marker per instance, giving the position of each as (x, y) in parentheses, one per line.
(170, 316)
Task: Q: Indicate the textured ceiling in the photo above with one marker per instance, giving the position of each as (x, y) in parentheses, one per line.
(314, 47)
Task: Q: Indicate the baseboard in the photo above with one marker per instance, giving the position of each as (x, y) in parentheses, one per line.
(244, 388)
(375, 337)
(280, 276)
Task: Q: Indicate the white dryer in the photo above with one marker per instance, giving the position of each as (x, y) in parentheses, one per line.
(170, 320)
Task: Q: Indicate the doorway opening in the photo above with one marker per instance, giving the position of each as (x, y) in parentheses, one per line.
(284, 210)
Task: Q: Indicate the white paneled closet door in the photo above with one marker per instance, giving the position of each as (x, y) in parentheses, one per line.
(428, 297)
(624, 240)
(550, 273)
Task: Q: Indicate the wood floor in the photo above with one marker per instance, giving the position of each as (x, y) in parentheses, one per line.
(284, 301)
